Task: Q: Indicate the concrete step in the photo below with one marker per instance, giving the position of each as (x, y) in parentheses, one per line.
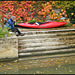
(41, 38)
(46, 30)
(51, 43)
(44, 48)
(46, 56)
(47, 52)
(47, 37)
(47, 34)
(46, 41)
(58, 33)
(40, 44)
(36, 36)
(38, 40)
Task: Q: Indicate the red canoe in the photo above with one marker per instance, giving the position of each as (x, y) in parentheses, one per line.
(44, 25)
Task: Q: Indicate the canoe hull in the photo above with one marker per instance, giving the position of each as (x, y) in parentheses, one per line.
(46, 25)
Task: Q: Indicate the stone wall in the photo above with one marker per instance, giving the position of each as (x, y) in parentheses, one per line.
(9, 47)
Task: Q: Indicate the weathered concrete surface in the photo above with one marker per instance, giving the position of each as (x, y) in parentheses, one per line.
(40, 42)
(9, 47)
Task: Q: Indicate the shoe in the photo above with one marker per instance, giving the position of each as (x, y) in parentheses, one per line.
(17, 34)
(22, 34)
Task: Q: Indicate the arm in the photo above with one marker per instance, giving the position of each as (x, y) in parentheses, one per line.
(11, 22)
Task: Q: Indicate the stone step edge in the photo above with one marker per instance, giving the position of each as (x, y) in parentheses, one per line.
(58, 34)
(44, 39)
(37, 35)
(45, 57)
(47, 48)
(50, 31)
(45, 42)
(59, 37)
(40, 39)
(43, 35)
(44, 52)
(41, 44)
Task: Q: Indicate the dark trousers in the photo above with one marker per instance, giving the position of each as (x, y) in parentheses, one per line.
(15, 30)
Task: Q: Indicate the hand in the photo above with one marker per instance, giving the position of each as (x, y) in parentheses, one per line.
(15, 20)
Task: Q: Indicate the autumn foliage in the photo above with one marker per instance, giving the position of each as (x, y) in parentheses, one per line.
(30, 10)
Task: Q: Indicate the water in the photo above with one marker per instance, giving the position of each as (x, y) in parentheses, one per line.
(63, 65)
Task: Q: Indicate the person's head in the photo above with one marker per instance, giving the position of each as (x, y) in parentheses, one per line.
(13, 17)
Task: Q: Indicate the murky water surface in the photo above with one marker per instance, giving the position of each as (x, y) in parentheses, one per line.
(63, 65)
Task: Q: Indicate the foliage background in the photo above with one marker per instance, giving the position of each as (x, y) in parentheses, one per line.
(39, 10)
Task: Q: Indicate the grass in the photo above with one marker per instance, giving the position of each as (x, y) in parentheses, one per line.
(3, 31)
(68, 24)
